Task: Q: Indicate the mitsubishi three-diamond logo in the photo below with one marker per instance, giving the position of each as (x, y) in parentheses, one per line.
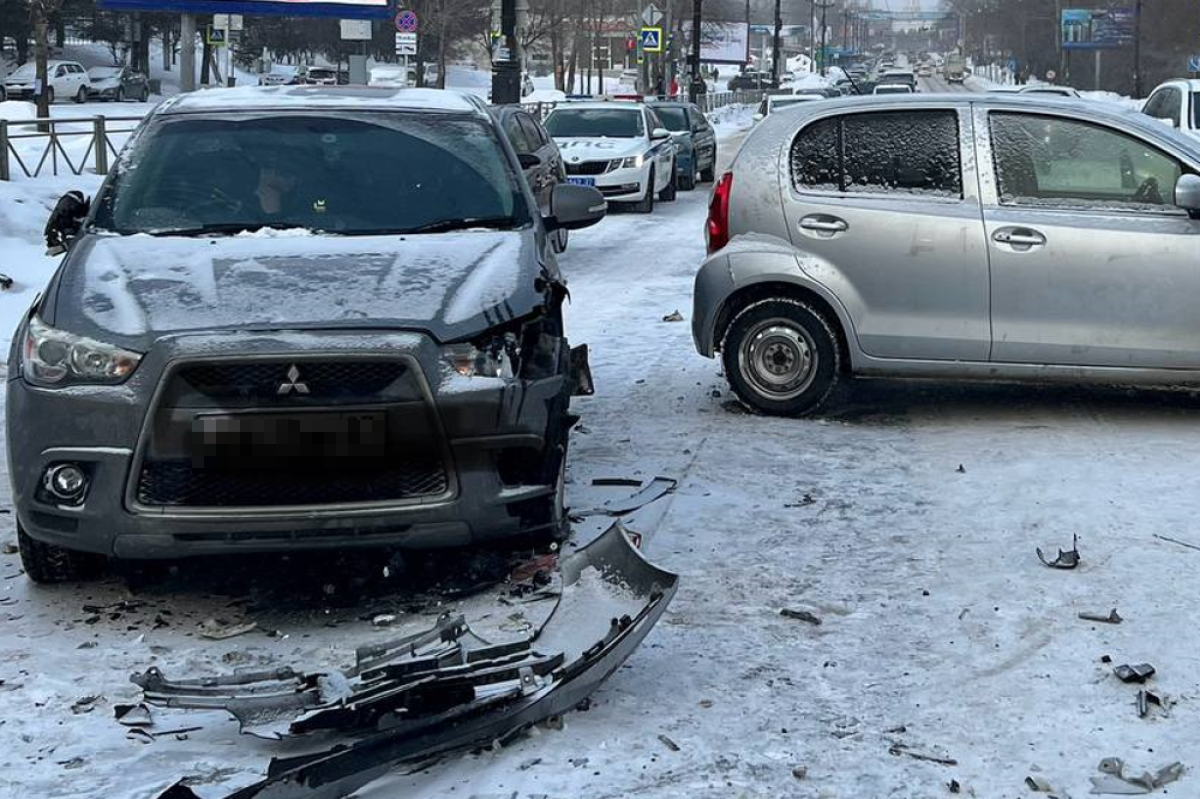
(293, 383)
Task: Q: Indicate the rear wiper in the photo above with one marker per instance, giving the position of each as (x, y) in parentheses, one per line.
(224, 228)
(446, 225)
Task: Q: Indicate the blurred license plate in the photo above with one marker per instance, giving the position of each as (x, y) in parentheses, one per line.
(225, 437)
(582, 181)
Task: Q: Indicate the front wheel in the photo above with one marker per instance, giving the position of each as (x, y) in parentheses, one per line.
(120, 94)
(782, 357)
(708, 175)
(48, 564)
(81, 95)
(687, 182)
(646, 204)
(561, 237)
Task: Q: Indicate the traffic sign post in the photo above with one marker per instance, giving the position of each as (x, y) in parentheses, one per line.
(406, 44)
(651, 15)
(216, 37)
(652, 39)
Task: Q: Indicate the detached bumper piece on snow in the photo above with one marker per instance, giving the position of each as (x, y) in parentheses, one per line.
(442, 690)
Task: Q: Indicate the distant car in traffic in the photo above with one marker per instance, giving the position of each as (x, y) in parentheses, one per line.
(695, 141)
(988, 236)
(280, 75)
(899, 77)
(1176, 102)
(297, 318)
(892, 88)
(539, 157)
(751, 80)
(621, 148)
(774, 102)
(321, 76)
(118, 83)
(1046, 88)
(66, 79)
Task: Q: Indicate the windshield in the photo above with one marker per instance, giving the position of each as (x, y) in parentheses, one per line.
(360, 174)
(617, 123)
(673, 116)
(24, 72)
(102, 73)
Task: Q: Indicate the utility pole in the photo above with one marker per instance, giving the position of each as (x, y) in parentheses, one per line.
(824, 6)
(696, 86)
(1137, 51)
(506, 71)
(775, 43)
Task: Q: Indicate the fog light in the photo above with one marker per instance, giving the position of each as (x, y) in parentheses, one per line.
(66, 481)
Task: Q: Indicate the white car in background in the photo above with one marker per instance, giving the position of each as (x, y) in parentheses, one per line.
(621, 148)
(396, 75)
(66, 79)
(893, 88)
(1176, 102)
(773, 102)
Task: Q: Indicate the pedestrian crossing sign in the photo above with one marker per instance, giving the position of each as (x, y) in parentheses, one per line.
(652, 40)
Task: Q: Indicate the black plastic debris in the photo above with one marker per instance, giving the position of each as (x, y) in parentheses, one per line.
(1112, 617)
(800, 615)
(442, 690)
(655, 490)
(1065, 560)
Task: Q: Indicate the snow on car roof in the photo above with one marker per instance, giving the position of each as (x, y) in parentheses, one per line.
(309, 97)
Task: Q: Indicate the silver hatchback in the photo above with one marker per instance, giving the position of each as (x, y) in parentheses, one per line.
(995, 237)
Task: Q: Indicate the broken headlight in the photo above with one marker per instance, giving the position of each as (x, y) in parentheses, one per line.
(493, 357)
(54, 358)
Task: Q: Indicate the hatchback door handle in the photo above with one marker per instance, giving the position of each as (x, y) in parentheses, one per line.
(824, 224)
(1019, 237)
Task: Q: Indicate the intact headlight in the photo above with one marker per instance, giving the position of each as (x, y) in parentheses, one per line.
(54, 358)
(634, 162)
(493, 359)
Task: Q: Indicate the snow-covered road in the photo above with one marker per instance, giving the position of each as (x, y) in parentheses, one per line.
(942, 634)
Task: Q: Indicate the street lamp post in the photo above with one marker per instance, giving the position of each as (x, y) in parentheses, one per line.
(506, 70)
(696, 87)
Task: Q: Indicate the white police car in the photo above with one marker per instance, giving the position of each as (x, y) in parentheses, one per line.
(621, 148)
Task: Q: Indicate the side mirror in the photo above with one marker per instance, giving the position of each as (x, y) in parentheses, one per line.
(575, 207)
(658, 134)
(759, 117)
(65, 221)
(1187, 194)
(528, 160)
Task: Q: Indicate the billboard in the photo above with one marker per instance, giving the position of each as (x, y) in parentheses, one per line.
(1097, 28)
(720, 42)
(339, 9)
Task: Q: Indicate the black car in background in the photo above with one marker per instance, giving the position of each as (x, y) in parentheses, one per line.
(750, 80)
(695, 139)
(539, 157)
(117, 83)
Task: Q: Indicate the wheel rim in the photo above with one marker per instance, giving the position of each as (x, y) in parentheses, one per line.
(779, 359)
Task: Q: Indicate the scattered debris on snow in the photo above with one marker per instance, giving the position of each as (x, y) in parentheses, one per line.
(1138, 673)
(1116, 781)
(219, 630)
(1176, 541)
(800, 615)
(1065, 560)
(673, 317)
(1112, 617)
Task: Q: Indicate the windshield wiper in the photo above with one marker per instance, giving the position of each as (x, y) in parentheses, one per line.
(446, 225)
(225, 228)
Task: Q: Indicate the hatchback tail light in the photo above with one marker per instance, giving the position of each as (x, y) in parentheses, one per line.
(717, 229)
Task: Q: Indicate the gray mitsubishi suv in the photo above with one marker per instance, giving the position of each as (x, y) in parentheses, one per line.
(297, 317)
(952, 236)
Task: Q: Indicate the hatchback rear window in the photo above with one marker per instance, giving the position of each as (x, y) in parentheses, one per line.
(891, 152)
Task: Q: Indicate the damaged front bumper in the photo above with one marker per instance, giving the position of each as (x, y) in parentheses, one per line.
(442, 690)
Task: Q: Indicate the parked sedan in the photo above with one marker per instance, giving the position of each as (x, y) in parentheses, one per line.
(995, 236)
(539, 158)
(117, 83)
(695, 141)
(305, 319)
(67, 80)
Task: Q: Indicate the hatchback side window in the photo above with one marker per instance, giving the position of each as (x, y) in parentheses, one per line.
(891, 152)
(1051, 161)
(533, 133)
(516, 134)
(60, 72)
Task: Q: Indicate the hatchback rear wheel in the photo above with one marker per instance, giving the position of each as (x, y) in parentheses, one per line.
(782, 357)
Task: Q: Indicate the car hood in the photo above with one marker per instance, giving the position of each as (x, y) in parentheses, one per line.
(131, 290)
(580, 149)
(104, 83)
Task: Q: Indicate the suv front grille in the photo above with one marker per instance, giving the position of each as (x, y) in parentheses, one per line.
(589, 168)
(178, 483)
(261, 380)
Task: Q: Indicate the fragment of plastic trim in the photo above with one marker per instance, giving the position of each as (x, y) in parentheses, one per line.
(438, 695)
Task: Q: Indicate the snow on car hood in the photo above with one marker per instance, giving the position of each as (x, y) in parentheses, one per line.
(575, 149)
(130, 290)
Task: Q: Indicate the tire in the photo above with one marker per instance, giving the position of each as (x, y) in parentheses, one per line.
(145, 98)
(710, 174)
(646, 204)
(781, 357)
(81, 95)
(667, 195)
(560, 240)
(687, 182)
(120, 94)
(48, 564)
